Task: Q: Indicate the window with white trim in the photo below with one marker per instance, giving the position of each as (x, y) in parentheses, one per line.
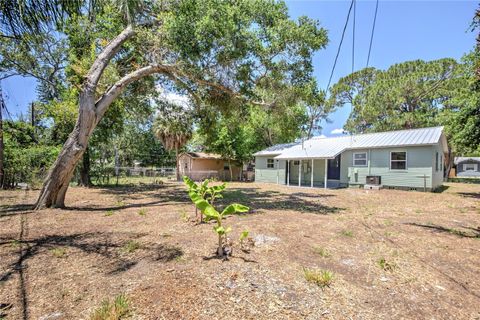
(398, 160)
(270, 163)
(360, 159)
(436, 161)
(469, 167)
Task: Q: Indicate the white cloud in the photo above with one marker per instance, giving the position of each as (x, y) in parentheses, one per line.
(337, 131)
(322, 136)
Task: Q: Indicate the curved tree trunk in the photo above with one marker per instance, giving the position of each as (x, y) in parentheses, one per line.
(58, 179)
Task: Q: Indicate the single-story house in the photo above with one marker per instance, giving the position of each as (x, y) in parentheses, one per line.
(406, 159)
(467, 166)
(200, 165)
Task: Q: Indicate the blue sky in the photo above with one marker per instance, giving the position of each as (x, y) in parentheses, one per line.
(405, 30)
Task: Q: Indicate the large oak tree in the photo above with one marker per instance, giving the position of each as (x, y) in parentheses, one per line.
(221, 53)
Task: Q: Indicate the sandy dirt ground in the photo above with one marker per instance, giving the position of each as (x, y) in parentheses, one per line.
(393, 254)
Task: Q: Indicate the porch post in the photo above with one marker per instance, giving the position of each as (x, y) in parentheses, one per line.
(288, 172)
(300, 173)
(311, 176)
(278, 167)
(326, 173)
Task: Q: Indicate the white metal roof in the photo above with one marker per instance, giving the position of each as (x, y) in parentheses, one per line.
(331, 147)
(461, 159)
(276, 149)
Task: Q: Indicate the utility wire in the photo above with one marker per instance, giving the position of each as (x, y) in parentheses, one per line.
(373, 31)
(353, 36)
(340, 45)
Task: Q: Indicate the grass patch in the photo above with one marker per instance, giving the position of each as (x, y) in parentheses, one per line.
(386, 265)
(347, 233)
(15, 243)
(58, 252)
(184, 216)
(131, 246)
(322, 252)
(117, 309)
(109, 213)
(142, 212)
(322, 278)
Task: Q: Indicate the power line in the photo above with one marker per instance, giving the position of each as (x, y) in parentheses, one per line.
(340, 45)
(373, 31)
(353, 37)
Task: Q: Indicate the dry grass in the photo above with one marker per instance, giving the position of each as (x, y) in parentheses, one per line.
(394, 254)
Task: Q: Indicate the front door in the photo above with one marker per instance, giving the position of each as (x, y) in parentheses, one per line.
(334, 168)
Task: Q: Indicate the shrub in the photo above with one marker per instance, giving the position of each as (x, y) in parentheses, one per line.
(322, 278)
(117, 309)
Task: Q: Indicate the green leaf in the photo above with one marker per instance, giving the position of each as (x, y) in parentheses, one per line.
(244, 235)
(210, 212)
(220, 230)
(190, 183)
(234, 208)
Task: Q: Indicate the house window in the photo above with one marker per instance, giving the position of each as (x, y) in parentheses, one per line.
(469, 167)
(296, 162)
(436, 161)
(226, 166)
(360, 159)
(398, 160)
(270, 164)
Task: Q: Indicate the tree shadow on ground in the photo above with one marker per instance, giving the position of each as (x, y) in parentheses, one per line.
(108, 246)
(257, 199)
(471, 233)
(475, 195)
(14, 209)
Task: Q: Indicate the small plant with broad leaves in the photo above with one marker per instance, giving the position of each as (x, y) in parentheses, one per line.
(207, 209)
(202, 189)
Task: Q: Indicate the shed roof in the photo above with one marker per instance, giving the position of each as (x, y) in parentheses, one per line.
(204, 155)
(457, 160)
(331, 147)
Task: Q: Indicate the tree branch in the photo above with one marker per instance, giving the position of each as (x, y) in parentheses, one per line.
(101, 62)
(114, 91)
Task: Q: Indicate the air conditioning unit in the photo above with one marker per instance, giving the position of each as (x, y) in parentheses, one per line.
(374, 180)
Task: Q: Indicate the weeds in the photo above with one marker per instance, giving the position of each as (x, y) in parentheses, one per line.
(142, 212)
(322, 278)
(109, 213)
(386, 265)
(131, 246)
(15, 243)
(117, 309)
(322, 252)
(184, 216)
(347, 233)
(58, 252)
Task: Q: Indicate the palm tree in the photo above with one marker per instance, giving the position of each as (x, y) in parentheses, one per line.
(173, 127)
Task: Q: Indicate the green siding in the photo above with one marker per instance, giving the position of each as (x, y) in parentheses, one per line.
(419, 163)
(264, 174)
